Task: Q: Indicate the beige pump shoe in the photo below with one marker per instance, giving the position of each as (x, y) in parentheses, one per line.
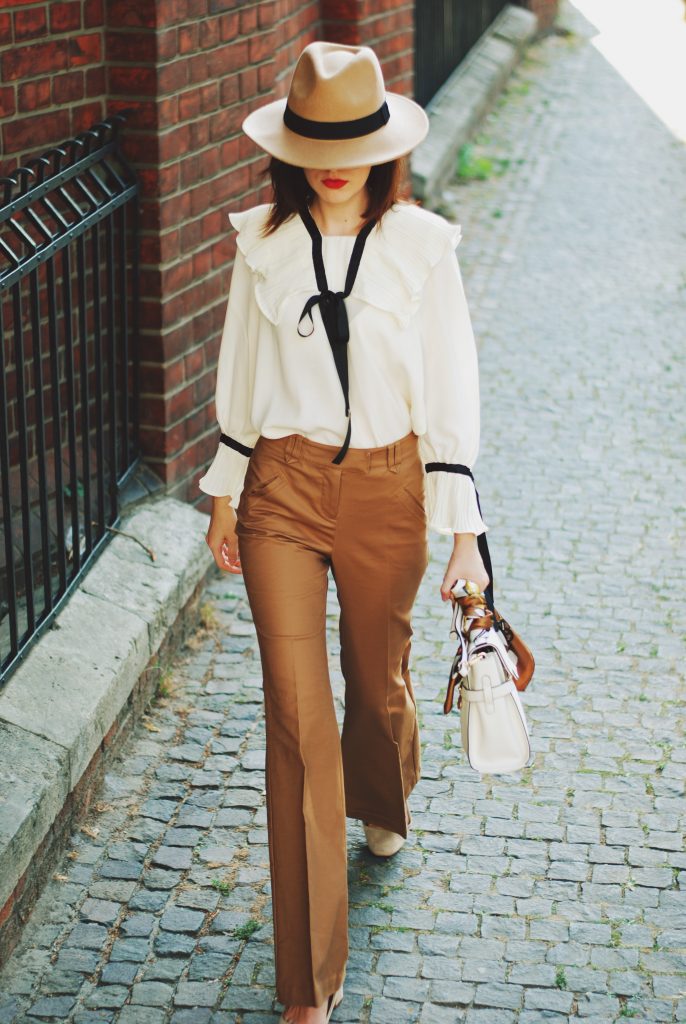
(334, 1000)
(381, 841)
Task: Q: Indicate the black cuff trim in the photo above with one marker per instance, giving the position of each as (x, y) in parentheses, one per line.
(449, 467)
(242, 448)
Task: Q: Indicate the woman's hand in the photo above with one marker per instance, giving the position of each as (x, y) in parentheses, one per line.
(221, 536)
(465, 563)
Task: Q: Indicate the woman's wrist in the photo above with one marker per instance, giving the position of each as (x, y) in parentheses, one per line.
(464, 541)
(223, 501)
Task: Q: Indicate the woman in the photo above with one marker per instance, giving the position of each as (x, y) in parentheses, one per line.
(347, 397)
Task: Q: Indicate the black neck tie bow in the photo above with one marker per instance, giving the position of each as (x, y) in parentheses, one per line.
(332, 308)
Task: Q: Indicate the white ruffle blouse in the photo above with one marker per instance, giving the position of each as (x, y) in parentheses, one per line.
(412, 358)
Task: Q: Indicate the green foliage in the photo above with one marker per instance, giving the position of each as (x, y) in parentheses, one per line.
(222, 886)
(560, 977)
(247, 929)
(472, 167)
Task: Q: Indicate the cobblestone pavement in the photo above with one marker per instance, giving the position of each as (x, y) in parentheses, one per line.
(555, 894)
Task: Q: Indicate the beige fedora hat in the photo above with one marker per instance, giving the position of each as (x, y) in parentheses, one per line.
(337, 113)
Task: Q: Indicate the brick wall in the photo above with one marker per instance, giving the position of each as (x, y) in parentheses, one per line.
(52, 74)
(192, 69)
(385, 25)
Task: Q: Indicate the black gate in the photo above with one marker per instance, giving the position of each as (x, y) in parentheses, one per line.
(445, 30)
(68, 372)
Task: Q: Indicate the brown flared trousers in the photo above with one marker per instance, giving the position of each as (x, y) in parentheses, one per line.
(298, 515)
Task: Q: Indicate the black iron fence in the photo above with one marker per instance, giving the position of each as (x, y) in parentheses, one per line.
(445, 30)
(68, 372)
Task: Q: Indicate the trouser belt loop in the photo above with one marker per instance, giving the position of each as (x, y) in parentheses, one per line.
(391, 455)
(293, 447)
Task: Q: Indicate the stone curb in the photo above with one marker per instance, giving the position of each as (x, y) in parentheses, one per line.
(461, 103)
(59, 705)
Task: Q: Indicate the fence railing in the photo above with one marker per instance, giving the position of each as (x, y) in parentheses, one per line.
(445, 30)
(68, 371)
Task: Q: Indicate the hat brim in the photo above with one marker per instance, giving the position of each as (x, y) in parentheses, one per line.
(407, 126)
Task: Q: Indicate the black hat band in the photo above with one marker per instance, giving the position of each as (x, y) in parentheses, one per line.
(337, 129)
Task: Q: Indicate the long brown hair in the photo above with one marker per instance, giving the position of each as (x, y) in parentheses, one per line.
(385, 186)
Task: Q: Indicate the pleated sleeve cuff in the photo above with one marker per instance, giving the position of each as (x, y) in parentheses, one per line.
(451, 504)
(225, 474)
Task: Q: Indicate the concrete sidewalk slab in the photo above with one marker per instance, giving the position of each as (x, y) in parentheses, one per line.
(61, 702)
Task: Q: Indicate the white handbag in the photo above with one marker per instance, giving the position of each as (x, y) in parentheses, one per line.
(491, 665)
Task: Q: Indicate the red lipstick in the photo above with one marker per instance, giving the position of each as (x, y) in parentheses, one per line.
(334, 182)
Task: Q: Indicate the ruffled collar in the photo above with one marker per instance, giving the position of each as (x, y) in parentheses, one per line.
(398, 257)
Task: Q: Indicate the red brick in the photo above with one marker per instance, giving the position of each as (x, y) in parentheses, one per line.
(174, 210)
(199, 134)
(44, 129)
(177, 277)
(197, 9)
(67, 87)
(209, 97)
(191, 234)
(226, 122)
(172, 77)
(84, 116)
(5, 29)
(248, 83)
(194, 362)
(65, 17)
(30, 24)
(229, 90)
(201, 198)
(261, 47)
(171, 12)
(157, 442)
(188, 38)
(203, 389)
(343, 32)
(342, 10)
(7, 102)
(147, 114)
(93, 15)
(159, 181)
(189, 104)
(202, 263)
(180, 404)
(267, 13)
(157, 379)
(248, 20)
(229, 25)
(230, 152)
(133, 81)
(132, 14)
(232, 184)
(175, 141)
(96, 81)
(265, 78)
(167, 45)
(85, 49)
(130, 47)
(208, 34)
(28, 61)
(34, 95)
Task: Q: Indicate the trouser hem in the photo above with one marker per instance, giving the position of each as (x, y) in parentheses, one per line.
(329, 987)
(369, 814)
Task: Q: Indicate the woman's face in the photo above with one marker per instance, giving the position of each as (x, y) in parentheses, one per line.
(337, 185)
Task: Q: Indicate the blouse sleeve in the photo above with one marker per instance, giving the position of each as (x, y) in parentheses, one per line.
(451, 398)
(235, 376)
